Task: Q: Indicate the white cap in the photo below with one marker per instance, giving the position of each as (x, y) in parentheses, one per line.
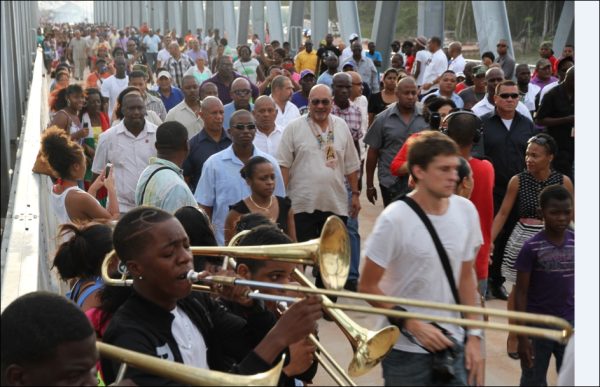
(353, 36)
(164, 73)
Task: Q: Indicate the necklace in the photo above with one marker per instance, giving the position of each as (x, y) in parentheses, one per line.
(263, 208)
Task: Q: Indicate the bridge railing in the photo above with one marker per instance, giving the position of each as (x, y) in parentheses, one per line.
(28, 242)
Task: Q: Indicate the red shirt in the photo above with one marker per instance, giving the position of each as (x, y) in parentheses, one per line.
(460, 87)
(409, 63)
(482, 198)
(402, 155)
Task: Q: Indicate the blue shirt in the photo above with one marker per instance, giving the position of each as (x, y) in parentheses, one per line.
(166, 190)
(376, 56)
(300, 101)
(221, 185)
(202, 146)
(325, 79)
(228, 111)
(175, 97)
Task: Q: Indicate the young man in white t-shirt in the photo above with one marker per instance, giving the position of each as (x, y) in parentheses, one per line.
(401, 260)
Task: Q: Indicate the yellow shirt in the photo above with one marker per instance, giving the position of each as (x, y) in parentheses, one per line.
(306, 61)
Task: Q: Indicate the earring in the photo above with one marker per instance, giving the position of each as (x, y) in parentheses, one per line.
(140, 277)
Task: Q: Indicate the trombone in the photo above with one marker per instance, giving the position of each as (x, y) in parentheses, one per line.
(185, 374)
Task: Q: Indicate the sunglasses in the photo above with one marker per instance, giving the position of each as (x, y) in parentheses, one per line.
(500, 45)
(245, 126)
(324, 102)
(509, 95)
(241, 93)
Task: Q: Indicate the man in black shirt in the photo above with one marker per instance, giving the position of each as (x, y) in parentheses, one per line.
(557, 114)
(324, 52)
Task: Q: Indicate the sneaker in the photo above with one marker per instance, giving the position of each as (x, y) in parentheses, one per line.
(499, 292)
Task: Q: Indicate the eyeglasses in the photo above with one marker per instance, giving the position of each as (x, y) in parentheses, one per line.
(509, 95)
(242, 92)
(500, 45)
(324, 102)
(245, 126)
(538, 140)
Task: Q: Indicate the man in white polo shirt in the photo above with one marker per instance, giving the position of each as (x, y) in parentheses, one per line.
(281, 92)
(435, 66)
(128, 146)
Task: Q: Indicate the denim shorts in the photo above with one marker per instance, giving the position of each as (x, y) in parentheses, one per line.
(402, 368)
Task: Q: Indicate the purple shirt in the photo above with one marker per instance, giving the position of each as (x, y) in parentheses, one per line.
(194, 55)
(552, 282)
(300, 101)
(538, 82)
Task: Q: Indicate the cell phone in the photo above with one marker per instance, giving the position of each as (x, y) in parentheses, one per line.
(434, 121)
(107, 170)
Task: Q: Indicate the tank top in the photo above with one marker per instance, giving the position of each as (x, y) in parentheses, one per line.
(529, 192)
(284, 208)
(79, 293)
(57, 201)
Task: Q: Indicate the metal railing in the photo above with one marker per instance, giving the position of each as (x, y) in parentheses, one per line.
(28, 241)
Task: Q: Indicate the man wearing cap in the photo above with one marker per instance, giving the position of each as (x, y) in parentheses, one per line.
(543, 74)
(546, 52)
(473, 94)
(324, 52)
(468, 77)
(407, 51)
(300, 98)
(436, 65)
(506, 61)
(307, 58)
(457, 64)
(364, 66)
(422, 57)
(161, 184)
(347, 52)
(169, 94)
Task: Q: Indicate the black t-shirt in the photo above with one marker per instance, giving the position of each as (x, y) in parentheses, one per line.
(377, 104)
(557, 104)
(323, 53)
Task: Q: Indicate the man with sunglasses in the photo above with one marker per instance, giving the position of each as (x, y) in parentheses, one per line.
(221, 184)
(493, 77)
(317, 155)
(240, 93)
(506, 61)
(505, 134)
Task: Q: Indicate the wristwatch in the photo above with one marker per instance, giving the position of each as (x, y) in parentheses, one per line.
(475, 332)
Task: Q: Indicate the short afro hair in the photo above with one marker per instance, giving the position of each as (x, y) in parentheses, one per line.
(34, 325)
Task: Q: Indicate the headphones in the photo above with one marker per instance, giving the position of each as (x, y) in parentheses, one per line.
(453, 113)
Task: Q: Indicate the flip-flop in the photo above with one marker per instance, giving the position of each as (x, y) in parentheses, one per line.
(513, 355)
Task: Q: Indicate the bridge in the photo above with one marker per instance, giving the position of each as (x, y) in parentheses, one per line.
(28, 225)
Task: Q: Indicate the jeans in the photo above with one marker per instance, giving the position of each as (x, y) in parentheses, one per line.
(414, 369)
(352, 227)
(151, 60)
(542, 350)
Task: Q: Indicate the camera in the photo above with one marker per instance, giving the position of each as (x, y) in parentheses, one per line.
(435, 121)
(443, 361)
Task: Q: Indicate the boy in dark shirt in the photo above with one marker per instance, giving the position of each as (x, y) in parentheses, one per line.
(546, 282)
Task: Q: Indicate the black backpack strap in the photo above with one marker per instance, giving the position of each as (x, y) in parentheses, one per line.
(438, 244)
(147, 181)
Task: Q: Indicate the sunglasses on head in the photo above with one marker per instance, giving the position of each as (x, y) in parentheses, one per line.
(245, 126)
(324, 102)
(538, 140)
(509, 95)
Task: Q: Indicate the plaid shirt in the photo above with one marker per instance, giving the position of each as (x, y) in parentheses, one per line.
(352, 116)
(178, 67)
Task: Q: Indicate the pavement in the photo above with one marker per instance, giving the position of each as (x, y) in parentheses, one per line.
(500, 369)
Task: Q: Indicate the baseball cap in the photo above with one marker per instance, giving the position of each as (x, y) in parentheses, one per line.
(164, 73)
(421, 41)
(460, 74)
(479, 70)
(349, 64)
(353, 36)
(306, 72)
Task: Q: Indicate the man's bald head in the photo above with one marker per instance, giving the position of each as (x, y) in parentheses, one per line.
(320, 91)
(209, 102)
(406, 81)
(208, 89)
(342, 76)
(263, 100)
(240, 83)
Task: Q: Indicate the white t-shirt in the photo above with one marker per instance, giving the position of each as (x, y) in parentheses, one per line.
(458, 64)
(189, 340)
(111, 88)
(284, 117)
(163, 56)
(421, 57)
(532, 92)
(401, 244)
(435, 67)
(247, 69)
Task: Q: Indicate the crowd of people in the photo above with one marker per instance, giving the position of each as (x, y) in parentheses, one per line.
(184, 140)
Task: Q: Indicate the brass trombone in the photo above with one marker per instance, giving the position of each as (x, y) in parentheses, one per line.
(184, 374)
